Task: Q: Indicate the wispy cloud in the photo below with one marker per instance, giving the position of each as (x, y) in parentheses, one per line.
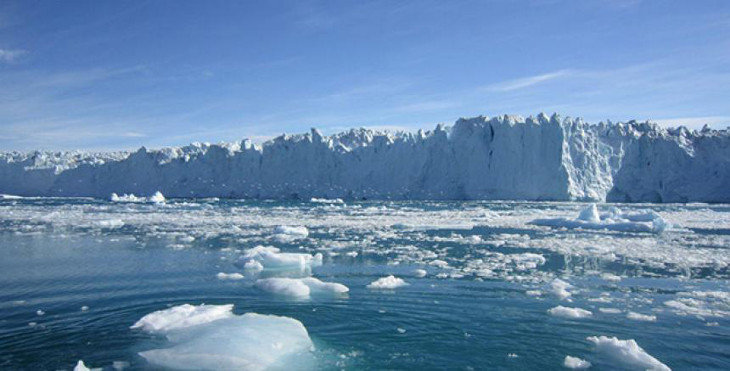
(10, 56)
(717, 122)
(526, 82)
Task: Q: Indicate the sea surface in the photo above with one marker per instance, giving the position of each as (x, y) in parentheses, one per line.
(76, 273)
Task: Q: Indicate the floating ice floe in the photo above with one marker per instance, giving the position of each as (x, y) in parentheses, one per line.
(156, 198)
(560, 288)
(326, 200)
(614, 220)
(420, 273)
(80, 366)
(213, 338)
(389, 282)
(567, 312)
(229, 276)
(300, 287)
(182, 316)
(627, 353)
(701, 304)
(271, 258)
(641, 317)
(9, 197)
(285, 233)
(575, 363)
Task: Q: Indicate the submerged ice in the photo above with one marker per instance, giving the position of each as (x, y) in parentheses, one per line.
(505, 157)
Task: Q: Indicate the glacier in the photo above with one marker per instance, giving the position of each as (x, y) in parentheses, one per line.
(504, 157)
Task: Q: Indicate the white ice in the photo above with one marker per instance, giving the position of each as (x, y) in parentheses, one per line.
(300, 287)
(613, 220)
(269, 257)
(229, 276)
(568, 312)
(182, 316)
(389, 282)
(641, 317)
(242, 342)
(575, 363)
(627, 353)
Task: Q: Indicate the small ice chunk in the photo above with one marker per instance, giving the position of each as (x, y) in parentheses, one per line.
(157, 198)
(270, 257)
(40, 312)
(627, 353)
(229, 276)
(590, 214)
(111, 223)
(560, 288)
(575, 363)
(326, 200)
(84, 308)
(300, 287)
(420, 273)
(609, 310)
(293, 231)
(533, 293)
(389, 282)
(181, 316)
(401, 330)
(641, 317)
(80, 366)
(253, 265)
(610, 277)
(567, 312)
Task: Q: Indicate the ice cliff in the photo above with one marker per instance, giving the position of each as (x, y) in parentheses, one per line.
(505, 157)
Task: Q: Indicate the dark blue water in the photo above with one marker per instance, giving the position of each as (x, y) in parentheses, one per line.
(123, 261)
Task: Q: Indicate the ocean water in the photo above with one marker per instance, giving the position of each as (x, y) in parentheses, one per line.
(75, 274)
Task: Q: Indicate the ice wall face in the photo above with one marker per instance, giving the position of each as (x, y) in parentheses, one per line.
(506, 157)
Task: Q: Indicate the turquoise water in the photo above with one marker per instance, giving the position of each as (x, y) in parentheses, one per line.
(475, 309)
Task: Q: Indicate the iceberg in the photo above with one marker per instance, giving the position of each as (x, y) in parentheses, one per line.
(575, 363)
(504, 157)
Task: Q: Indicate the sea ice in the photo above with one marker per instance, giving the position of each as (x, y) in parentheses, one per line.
(269, 257)
(641, 317)
(614, 220)
(300, 287)
(182, 316)
(80, 366)
(156, 198)
(227, 342)
(560, 288)
(420, 273)
(567, 312)
(229, 276)
(576, 363)
(627, 353)
(389, 282)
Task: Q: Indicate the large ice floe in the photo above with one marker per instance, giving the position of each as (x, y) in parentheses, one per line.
(300, 287)
(212, 337)
(627, 353)
(504, 157)
(613, 220)
(271, 258)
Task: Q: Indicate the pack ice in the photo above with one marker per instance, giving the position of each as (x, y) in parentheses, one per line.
(505, 157)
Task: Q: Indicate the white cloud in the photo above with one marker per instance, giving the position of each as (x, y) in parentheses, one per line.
(9, 56)
(525, 82)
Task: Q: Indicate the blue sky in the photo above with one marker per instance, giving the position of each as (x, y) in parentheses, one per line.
(117, 75)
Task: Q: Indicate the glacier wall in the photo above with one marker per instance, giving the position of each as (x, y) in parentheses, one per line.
(505, 157)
